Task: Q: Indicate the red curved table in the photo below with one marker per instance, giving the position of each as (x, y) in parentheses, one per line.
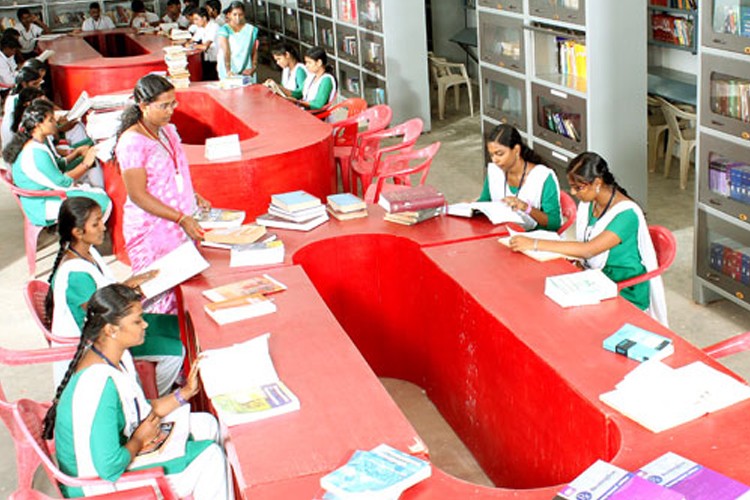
(273, 159)
(516, 376)
(103, 62)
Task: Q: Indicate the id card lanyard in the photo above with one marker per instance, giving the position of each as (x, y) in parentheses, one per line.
(172, 155)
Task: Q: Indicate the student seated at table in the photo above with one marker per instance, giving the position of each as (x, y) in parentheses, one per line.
(238, 44)
(517, 177)
(95, 21)
(100, 418)
(205, 38)
(26, 77)
(30, 27)
(319, 89)
(141, 18)
(34, 167)
(293, 72)
(79, 271)
(9, 47)
(173, 14)
(611, 231)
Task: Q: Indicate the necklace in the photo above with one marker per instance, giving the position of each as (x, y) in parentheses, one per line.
(105, 358)
(520, 184)
(87, 259)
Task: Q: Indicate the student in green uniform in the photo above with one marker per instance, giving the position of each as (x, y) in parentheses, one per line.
(611, 231)
(293, 72)
(319, 89)
(517, 177)
(79, 271)
(101, 420)
(34, 167)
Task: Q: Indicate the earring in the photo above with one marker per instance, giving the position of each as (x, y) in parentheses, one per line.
(598, 188)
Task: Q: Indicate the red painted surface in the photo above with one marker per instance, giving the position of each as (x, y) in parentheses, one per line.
(273, 159)
(514, 374)
(86, 63)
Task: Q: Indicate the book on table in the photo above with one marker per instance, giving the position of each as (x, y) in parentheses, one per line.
(539, 234)
(638, 344)
(170, 443)
(242, 382)
(223, 147)
(268, 250)
(294, 200)
(219, 218)
(381, 473)
(264, 284)
(346, 215)
(177, 266)
(299, 216)
(346, 203)
(660, 397)
(580, 288)
(411, 218)
(497, 212)
(692, 480)
(240, 308)
(603, 480)
(226, 237)
(410, 199)
(269, 220)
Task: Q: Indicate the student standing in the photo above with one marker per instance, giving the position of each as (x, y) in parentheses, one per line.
(9, 47)
(30, 28)
(238, 44)
(205, 37)
(611, 231)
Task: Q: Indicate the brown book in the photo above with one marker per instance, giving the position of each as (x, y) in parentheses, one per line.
(346, 215)
(411, 199)
(235, 236)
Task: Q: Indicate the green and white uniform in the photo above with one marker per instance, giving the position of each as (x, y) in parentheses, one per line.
(97, 414)
(75, 282)
(539, 188)
(634, 255)
(294, 78)
(36, 169)
(319, 92)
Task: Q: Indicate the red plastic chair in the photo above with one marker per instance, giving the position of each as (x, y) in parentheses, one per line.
(26, 461)
(569, 210)
(732, 345)
(399, 167)
(35, 294)
(353, 106)
(366, 157)
(666, 250)
(30, 231)
(347, 132)
(29, 417)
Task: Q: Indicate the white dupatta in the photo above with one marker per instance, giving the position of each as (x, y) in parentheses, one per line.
(657, 303)
(531, 190)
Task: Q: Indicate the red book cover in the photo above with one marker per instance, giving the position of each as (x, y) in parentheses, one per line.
(411, 199)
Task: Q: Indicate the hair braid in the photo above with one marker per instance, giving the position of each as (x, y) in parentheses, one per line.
(48, 428)
(49, 300)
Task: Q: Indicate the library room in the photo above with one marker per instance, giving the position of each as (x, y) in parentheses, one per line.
(347, 249)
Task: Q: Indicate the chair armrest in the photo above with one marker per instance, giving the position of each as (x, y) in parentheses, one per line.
(732, 345)
(33, 356)
(638, 279)
(31, 193)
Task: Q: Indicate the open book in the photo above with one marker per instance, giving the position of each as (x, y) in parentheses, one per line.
(496, 211)
(81, 106)
(243, 384)
(180, 264)
(539, 234)
(170, 444)
(275, 88)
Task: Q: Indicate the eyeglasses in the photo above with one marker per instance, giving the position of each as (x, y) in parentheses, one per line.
(164, 106)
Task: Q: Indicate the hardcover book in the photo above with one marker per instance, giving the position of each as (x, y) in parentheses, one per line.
(262, 253)
(242, 235)
(411, 199)
(638, 344)
(219, 217)
(346, 215)
(270, 220)
(294, 200)
(603, 480)
(257, 284)
(239, 308)
(693, 480)
(411, 218)
(298, 216)
(346, 202)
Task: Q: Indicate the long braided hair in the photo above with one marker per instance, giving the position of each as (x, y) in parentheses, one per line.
(33, 116)
(589, 166)
(147, 90)
(108, 306)
(74, 212)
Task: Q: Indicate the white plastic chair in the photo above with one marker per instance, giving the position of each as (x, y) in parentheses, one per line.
(657, 128)
(681, 125)
(446, 75)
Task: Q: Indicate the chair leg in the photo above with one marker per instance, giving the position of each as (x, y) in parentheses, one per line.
(457, 95)
(651, 144)
(345, 174)
(668, 156)
(441, 101)
(471, 99)
(31, 234)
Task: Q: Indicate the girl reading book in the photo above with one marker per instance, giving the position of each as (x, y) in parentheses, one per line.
(293, 72)
(319, 89)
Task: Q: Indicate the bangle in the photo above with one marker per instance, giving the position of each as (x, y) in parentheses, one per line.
(179, 397)
(536, 245)
(180, 219)
(528, 208)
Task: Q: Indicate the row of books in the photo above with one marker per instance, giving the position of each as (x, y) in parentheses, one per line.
(672, 29)
(412, 205)
(295, 210)
(669, 477)
(729, 178)
(571, 57)
(731, 259)
(348, 11)
(676, 4)
(560, 122)
(327, 36)
(349, 45)
(731, 97)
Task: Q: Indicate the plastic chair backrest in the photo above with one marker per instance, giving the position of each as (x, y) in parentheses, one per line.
(569, 209)
(35, 295)
(673, 115)
(353, 106)
(375, 119)
(29, 417)
(665, 246)
(409, 131)
(399, 165)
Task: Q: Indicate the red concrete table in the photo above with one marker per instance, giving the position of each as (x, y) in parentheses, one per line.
(103, 62)
(283, 148)
(514, 374)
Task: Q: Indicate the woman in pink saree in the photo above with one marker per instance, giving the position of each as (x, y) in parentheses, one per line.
(158, 212)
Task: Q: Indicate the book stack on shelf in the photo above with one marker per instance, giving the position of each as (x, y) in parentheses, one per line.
(731, 97)
(412, 205)
(243, 299)
(296, 210)
(561, 122)
(572, 56)
(348, 11)
(731, 259)
(674, 30)
(175, 58)
(346, 206)
(382, 473)
(728, 178)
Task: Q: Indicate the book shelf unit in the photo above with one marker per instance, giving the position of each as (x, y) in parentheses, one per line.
(560, 81)
(377, 47)
(673, 24)
(62, 16)
(722, 217)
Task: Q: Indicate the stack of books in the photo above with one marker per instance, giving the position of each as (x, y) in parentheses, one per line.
(264, 252)
(296, 210)
(242, 300)
(219, 218)
(382, 473)
(604, 480)
(226, 237)
(346, 206)
(175, 57)
(412, 205)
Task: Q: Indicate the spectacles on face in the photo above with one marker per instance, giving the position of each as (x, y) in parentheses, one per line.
(165, 106)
